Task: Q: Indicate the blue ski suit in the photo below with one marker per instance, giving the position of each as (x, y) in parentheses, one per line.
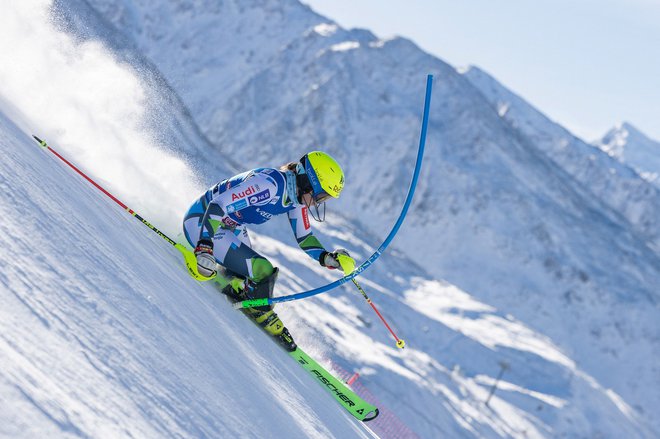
(253, 197)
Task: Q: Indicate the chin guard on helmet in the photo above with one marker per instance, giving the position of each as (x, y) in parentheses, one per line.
(317, 211)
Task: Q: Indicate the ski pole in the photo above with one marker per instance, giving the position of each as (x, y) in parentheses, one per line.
(188, 256)
(399, 342)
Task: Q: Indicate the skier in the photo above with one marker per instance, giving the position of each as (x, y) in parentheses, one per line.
(215, 226)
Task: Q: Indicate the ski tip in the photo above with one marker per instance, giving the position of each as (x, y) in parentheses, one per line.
(372, 417)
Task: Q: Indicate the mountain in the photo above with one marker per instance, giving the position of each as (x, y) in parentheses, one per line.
(510, 254)
(632, 147)
(609, 181)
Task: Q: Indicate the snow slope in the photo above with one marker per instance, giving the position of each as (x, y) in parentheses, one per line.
(123, 324)
(103, 334)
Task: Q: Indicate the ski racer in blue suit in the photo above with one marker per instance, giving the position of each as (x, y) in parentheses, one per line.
(215, 226)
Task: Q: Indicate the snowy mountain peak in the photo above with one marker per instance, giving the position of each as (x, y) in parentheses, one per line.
(631, 146)
(625, 133)
(614, 141)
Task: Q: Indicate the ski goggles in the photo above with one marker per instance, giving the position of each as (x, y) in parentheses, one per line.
(312, 185)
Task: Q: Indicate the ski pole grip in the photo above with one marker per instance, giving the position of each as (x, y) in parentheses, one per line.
(252, 303)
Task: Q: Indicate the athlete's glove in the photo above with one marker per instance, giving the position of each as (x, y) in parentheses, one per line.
(205, 261)
(338, 259)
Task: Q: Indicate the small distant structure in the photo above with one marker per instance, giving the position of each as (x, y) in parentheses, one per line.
(503, 367)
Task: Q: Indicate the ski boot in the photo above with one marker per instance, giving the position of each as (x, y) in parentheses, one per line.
(268, 320)
(271, 323)
(286, 341)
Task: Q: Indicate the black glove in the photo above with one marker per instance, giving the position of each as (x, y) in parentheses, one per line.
(206, 264)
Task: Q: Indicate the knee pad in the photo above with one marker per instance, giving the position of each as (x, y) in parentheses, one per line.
(262, 269)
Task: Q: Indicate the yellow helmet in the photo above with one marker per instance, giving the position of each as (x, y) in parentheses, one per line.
(325, 175)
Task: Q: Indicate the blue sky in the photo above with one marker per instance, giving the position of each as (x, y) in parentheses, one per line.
(586, 64)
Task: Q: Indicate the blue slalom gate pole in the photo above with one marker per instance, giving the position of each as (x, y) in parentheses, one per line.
(388, 240)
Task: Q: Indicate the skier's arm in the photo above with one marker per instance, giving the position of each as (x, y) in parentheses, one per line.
(299, 220)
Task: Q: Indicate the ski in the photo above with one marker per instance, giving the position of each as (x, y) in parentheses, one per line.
(356, 406)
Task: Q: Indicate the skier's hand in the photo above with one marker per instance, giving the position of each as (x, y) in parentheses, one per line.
(339, 259)
(206, 264)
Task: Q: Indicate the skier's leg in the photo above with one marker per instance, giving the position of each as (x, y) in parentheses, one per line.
(232, 250)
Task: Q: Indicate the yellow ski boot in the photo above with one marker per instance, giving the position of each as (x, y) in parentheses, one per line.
(268, 320)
